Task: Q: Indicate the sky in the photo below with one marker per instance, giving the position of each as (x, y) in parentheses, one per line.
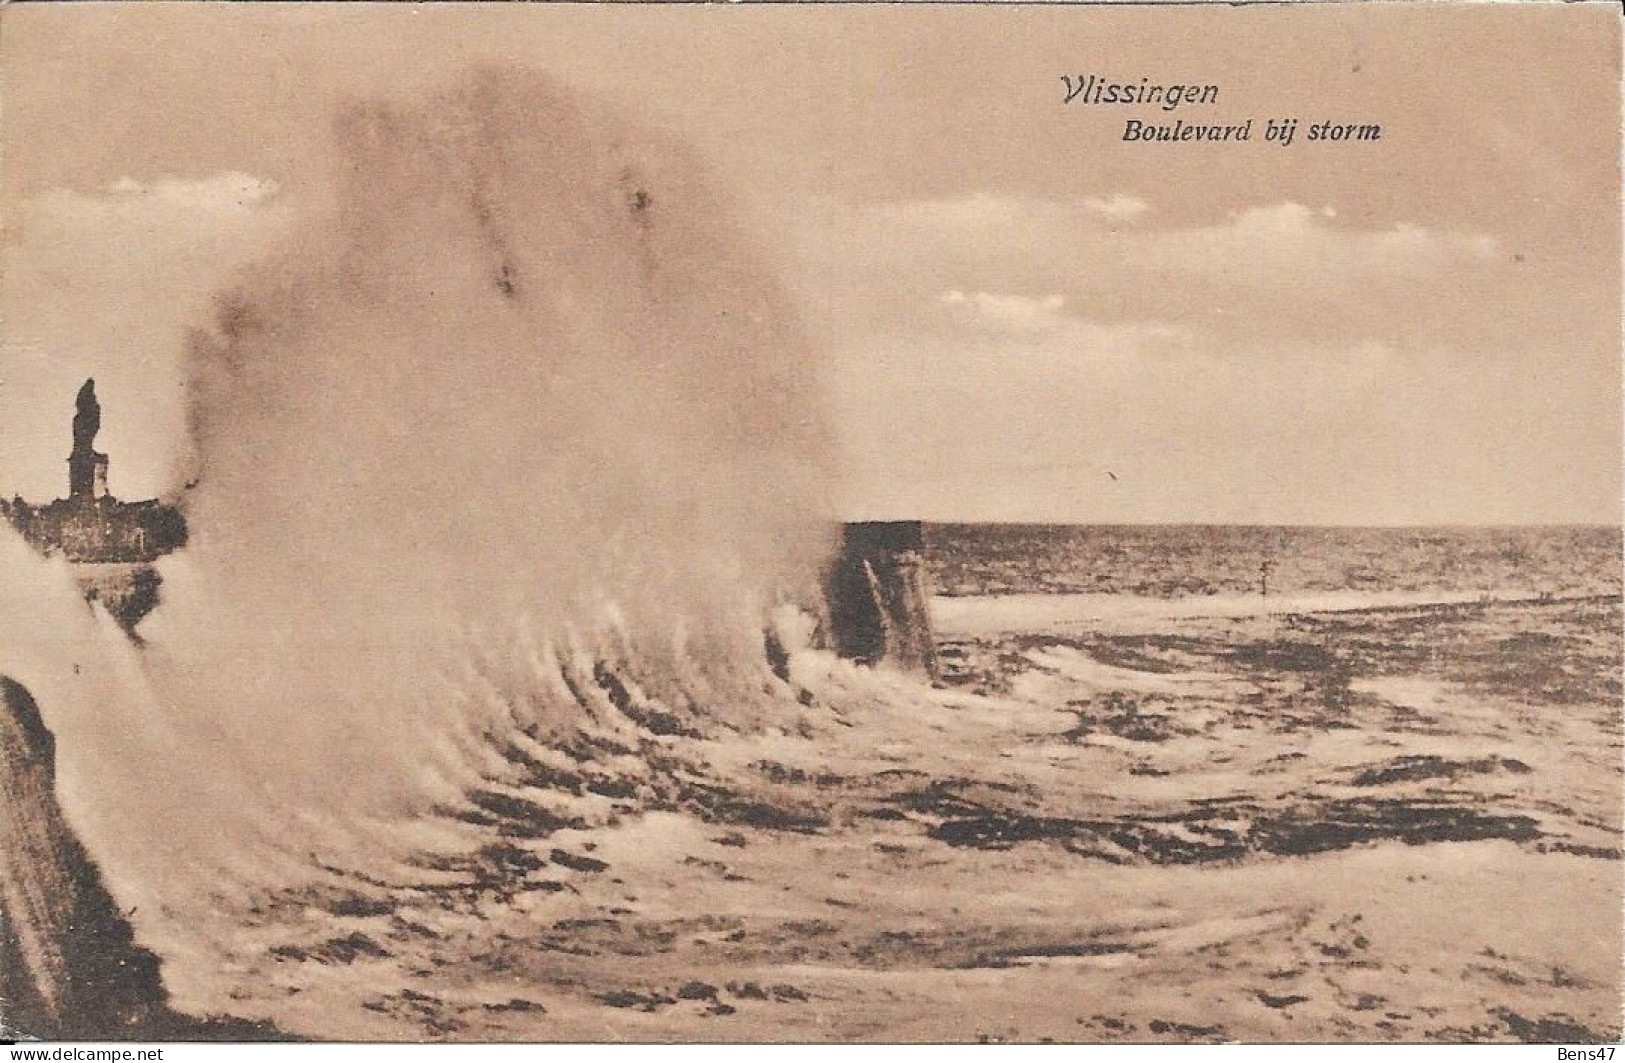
(1019, 315)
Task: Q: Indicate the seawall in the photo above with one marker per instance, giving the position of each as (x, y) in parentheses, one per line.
(69, 965)
(70, 968)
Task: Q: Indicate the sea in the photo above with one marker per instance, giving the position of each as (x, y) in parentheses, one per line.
(1177, 561)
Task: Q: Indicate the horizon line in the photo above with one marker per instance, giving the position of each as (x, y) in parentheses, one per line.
(1033, 522)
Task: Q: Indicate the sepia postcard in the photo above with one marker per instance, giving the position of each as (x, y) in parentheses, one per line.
(811, 523)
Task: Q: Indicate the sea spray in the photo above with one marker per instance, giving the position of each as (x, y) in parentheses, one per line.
(128, 780)
(514, 440)
(526, 370)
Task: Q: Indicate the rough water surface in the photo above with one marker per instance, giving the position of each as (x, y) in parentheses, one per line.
(1398, 824)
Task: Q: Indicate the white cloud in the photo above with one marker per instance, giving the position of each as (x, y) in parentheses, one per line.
(225, 193)
(1286, 271)
(230, 186)
(1279, 243)
(106, 284)
(1118, 206)
(1001, 312)
(140, 233)
(1041, 328)
(981, 211)
(1272, 244)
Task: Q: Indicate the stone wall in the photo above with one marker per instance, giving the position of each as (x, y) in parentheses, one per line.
(69, 965)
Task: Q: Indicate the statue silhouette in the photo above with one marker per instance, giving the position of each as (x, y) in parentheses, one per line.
(87, 470)
(87, 421)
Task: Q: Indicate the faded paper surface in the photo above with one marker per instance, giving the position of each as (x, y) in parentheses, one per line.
(461, 406)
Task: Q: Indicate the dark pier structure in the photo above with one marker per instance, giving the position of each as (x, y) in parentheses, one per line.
(112, 543)
(877, 597)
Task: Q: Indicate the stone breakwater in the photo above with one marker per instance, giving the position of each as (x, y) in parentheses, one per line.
(128, 591)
